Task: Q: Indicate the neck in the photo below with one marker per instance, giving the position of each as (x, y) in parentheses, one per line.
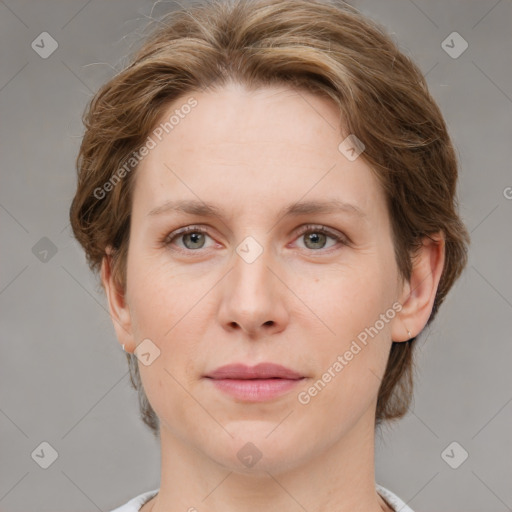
(339, 476)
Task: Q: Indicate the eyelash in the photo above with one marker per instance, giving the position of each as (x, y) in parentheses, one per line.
(310, 228)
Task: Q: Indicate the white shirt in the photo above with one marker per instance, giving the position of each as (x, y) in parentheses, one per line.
(135, 504)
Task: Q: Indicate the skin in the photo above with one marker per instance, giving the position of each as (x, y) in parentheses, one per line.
(300, 304)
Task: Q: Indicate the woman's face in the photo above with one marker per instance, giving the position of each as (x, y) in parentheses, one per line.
(254, 284)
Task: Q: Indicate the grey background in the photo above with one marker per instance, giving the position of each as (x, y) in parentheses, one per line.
(63, 376)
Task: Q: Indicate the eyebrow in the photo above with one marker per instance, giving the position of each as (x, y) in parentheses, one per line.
(204, 209)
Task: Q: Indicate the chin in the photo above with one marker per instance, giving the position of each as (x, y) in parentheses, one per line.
(258, 449)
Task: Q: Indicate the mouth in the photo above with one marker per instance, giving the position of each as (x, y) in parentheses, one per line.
(259, 383)
(240, 371)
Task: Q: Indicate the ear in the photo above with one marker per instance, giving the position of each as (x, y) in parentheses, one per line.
(119, 310)
(418, 294)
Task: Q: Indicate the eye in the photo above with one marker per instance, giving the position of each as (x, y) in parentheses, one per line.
(316, 237)
(192, 237)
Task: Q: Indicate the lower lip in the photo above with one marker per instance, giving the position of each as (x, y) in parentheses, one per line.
(255, 390)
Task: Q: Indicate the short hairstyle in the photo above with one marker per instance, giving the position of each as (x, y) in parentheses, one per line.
(324, 47)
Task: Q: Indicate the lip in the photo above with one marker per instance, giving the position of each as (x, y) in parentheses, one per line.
(259, 383)
(260, 371)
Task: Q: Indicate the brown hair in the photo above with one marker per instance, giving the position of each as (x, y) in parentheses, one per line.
(322, 47)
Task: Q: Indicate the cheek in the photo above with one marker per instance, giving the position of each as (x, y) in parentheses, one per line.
(159, 297)
(356, 305)
(167, 307)
(353, 299)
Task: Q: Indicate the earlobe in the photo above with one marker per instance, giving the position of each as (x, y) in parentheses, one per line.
(119, 311)
(419, 293)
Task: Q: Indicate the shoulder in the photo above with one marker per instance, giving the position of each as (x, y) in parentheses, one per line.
(394, 501)
(135, 504)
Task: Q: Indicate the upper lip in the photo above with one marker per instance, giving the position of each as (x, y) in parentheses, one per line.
(260, 371)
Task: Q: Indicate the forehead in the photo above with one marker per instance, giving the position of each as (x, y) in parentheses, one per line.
(240, 146)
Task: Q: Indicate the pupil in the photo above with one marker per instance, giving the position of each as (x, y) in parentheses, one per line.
(315, 237)
(194, 237)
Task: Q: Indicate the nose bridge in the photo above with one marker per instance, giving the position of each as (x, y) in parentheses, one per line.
(250, 297)
(252, 262)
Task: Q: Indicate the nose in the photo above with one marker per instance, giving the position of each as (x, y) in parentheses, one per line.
(254, 297)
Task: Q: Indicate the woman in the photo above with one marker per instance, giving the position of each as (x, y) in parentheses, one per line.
(269, 193)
